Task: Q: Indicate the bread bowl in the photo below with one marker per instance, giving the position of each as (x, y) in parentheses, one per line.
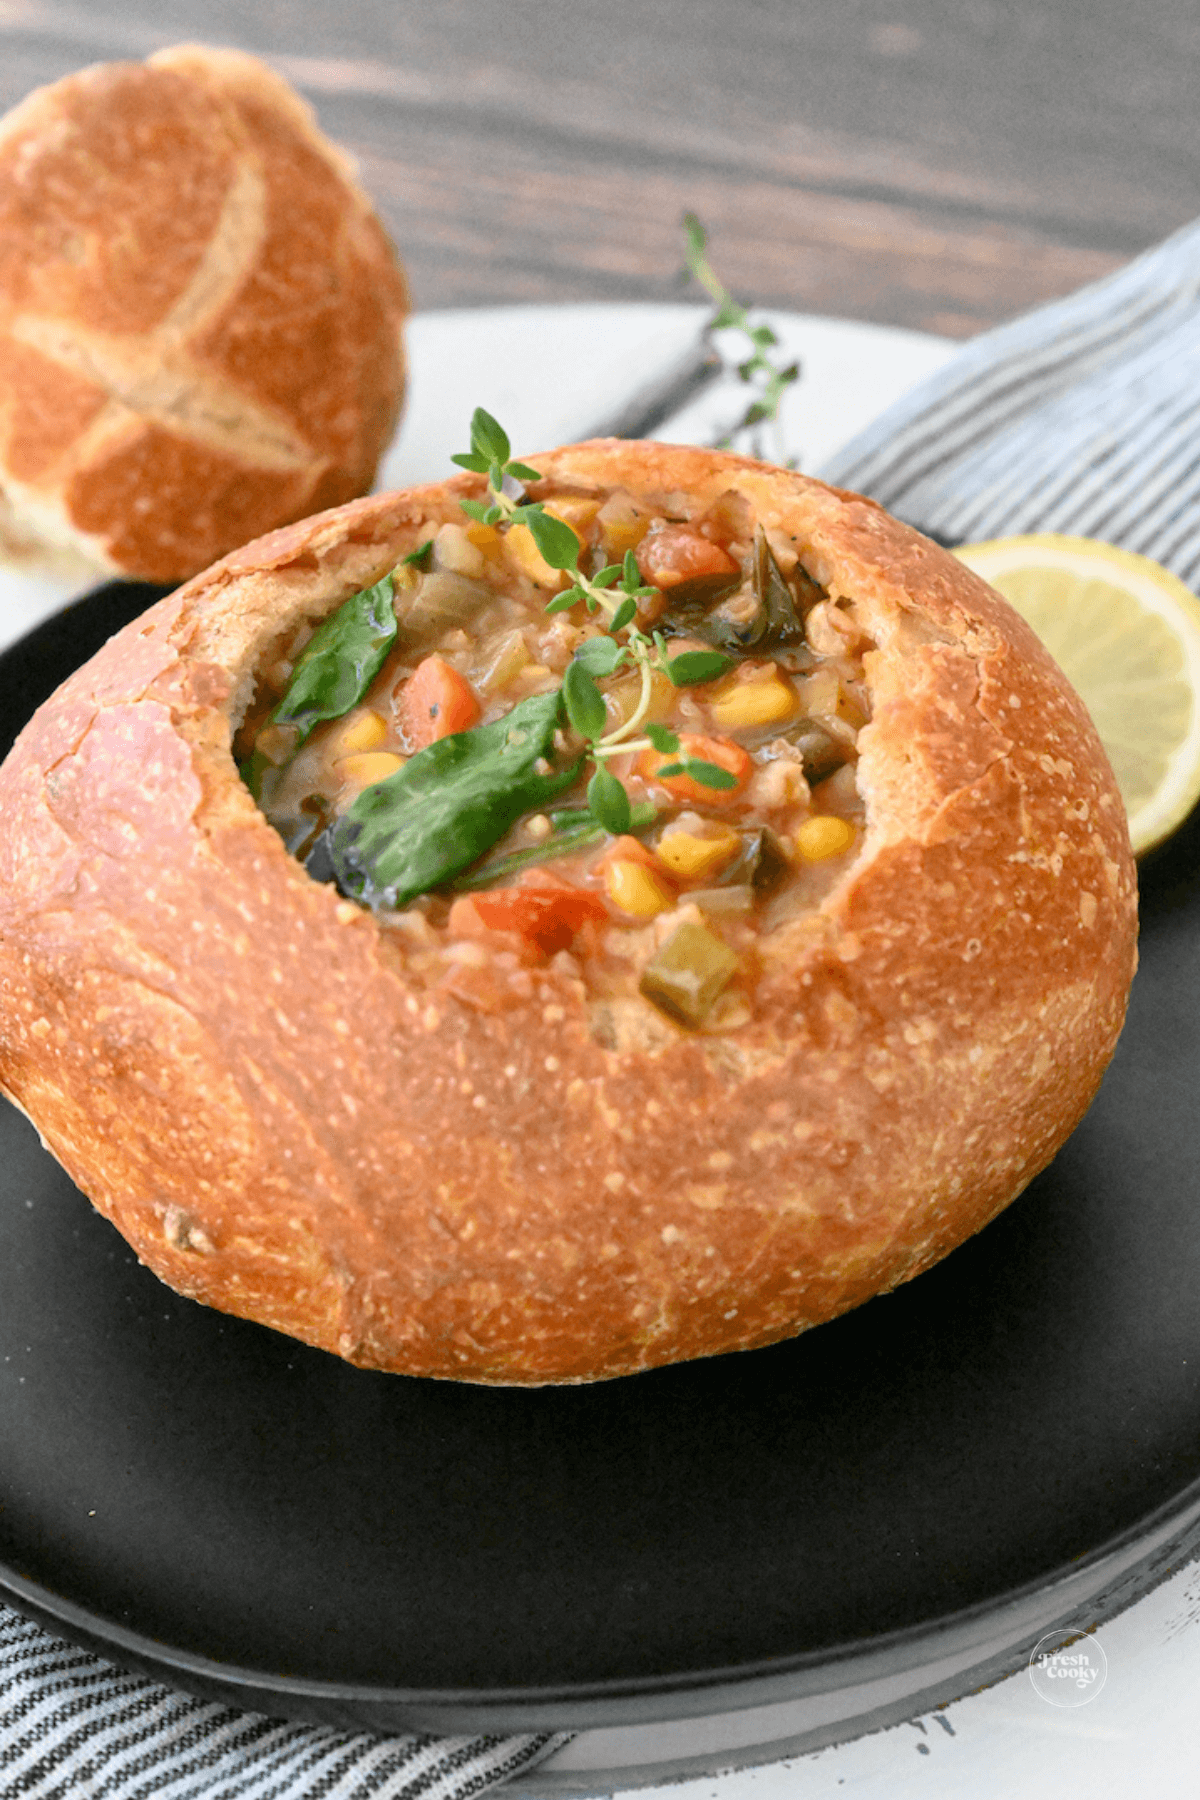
(200, 316)
(513, 1165)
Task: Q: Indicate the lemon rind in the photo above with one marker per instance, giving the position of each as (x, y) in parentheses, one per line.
(1162, 594)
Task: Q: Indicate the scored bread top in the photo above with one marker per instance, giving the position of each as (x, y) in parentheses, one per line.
(200, 315)
(230, 1059)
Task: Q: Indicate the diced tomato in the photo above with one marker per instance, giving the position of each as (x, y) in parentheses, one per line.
(543, 914)
(435, 702)
(722, 751)
(676, 553)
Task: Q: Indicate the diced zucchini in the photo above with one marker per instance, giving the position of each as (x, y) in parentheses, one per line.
(689, 973)
(722, 899)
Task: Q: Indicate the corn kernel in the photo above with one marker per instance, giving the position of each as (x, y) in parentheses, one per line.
(636, 889)
(366, 769)
(689, 856)
(363, 730)
(484, 537)
(822, 836)
(575, 510)
(754, 703)
(519, 543)
(623, 523)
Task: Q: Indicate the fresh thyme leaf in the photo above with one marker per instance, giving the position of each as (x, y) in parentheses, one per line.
(488, 438)
(631, 577)
(479, 509)
(757, 369)
(708, 774)
(601, 656)
(556, 542)
(624, 613)
(584, 701)
(608, 802)
(669, 769)
(662, 739)
(449, 804)
(697, 238)
(564, 602)
(495, 477)
(340, 661)
(523, 472)
(418, 558)
(607, 576)
(693, 666)
(467, 459)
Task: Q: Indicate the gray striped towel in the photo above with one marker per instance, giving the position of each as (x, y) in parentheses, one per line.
(72, 1727)
(1081, 417)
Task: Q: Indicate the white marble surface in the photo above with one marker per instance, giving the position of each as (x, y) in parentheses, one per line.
(1140, 1735)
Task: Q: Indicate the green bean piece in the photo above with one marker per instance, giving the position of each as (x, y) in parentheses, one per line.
(686, 977)
(560, 843)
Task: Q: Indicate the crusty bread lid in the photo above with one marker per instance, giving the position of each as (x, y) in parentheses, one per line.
(200, 314)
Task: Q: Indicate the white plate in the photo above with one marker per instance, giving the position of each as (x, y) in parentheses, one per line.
(553, 374)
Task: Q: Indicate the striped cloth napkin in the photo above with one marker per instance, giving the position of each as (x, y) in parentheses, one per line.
(1080, 417)
(72, 1727)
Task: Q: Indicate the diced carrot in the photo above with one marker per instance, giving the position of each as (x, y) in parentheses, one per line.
(547, 916)
(435, 702)
(722, 751)
(676, 553)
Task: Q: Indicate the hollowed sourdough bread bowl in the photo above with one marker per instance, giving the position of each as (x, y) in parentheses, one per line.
(230, 1061)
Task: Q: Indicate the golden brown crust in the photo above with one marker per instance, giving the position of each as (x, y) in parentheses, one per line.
(200, 314)
(227, 1059)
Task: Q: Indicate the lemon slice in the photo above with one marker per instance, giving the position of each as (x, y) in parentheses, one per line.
(1126, 634)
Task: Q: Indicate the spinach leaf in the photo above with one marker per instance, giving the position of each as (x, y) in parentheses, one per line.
(449, 804)
(760, 614)
(340, 661)
(777, 622)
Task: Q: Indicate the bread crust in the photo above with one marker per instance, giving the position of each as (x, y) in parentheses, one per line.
(200, 316)
(227, 1058)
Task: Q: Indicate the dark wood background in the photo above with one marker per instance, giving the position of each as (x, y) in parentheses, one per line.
(935, 163)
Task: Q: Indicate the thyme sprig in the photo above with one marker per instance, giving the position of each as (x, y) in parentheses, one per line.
(758, 370)
(614, 592)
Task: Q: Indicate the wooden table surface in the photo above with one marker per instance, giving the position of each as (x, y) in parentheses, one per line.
(941, 164)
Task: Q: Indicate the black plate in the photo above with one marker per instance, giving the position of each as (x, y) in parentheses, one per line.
(197, 1492)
